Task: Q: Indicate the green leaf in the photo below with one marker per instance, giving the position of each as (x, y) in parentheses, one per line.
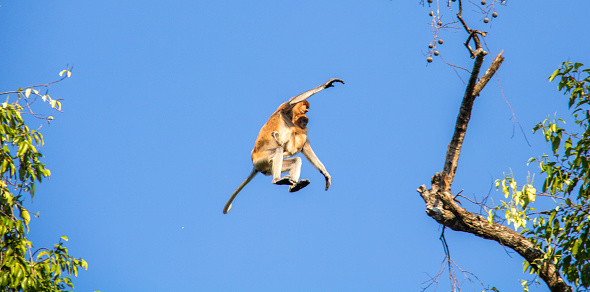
(555, 144)
(24, 214)
(32, 189)
(554, 74)
(576, 247)
(553, 214)
(68, 73)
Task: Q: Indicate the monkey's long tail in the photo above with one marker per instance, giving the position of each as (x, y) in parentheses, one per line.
(242, 185)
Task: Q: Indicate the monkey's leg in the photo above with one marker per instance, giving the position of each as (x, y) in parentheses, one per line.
(293, 165)
(276, 168)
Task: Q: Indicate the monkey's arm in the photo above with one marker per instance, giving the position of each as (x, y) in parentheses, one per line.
(307, 94)
(310, 155)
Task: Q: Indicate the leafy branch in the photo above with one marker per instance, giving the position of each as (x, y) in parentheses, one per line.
(20, 169)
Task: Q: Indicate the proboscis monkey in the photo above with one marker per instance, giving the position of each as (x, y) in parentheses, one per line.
(284, 135)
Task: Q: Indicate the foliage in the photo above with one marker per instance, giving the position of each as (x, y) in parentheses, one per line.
(562, 232)
(515, 210)
(21, 269)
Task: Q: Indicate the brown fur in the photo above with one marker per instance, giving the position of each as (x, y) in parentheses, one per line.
(290, 122)
(284, 135)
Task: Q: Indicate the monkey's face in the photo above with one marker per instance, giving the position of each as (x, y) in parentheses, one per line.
(301, 121)
(301, 108)
(299, 111)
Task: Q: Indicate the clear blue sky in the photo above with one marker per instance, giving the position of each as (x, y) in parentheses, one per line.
(166, 100)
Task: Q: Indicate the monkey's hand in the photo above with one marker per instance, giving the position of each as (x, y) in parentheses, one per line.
(275, 134)
(331, 81)
(328, 180)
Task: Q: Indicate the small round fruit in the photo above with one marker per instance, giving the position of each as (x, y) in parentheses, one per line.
(429, 1)
(486, 20)
(483, 2)
(429, 59)
(430, 46)
(436, 53)
(431, 13)
(494, 14)
(440, 41)
(440, 23)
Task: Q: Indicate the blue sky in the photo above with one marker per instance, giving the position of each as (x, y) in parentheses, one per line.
(166, 100)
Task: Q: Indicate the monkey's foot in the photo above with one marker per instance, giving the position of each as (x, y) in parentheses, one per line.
(299, 185)
(285, 180)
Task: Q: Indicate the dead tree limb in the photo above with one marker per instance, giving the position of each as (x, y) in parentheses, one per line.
(442, 207)
(441, 204)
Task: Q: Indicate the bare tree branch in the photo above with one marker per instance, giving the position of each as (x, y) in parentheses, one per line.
(448, 213)
(471, 92)
(442, 207)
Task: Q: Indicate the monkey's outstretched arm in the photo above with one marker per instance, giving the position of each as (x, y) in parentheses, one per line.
(235, 193)
(310, 155)
(307, 94)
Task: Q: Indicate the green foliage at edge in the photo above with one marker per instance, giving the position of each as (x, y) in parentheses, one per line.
(561, 232)
(23, 268)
